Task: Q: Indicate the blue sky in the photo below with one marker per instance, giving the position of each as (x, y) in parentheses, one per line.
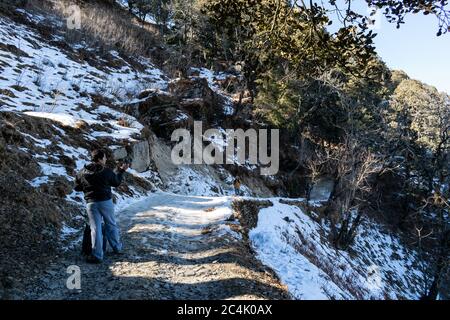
(414, 48)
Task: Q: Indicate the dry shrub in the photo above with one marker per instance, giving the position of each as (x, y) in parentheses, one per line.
(81, 125)
(30, 218)
(247, 211)
(102, 25)
(124, 122)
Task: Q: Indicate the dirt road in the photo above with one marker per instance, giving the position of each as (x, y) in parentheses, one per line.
(177, 247)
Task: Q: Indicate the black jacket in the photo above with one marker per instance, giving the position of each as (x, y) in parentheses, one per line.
(96, 181)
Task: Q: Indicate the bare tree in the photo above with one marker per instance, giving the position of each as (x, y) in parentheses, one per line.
(352, 165)
(439, 251)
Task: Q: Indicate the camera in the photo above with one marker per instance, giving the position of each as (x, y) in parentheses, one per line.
(123, 161)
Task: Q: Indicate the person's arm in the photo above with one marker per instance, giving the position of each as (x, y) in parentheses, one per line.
(115, 177)
(78, 184)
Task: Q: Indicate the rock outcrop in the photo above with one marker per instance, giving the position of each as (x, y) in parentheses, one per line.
(186, 100)
(160, 112)
(196, 97)
(138, 153)
(140, 156)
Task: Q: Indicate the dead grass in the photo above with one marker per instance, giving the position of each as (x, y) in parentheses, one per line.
(247, 211)
(19, 88)
(30, 218)
(105, 26)
(109, 27)
(7, 93)
(13, 49)
(123, 122)
(81, 125)
(309, 251)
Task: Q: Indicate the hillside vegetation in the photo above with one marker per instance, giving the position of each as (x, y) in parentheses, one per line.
(374, 141)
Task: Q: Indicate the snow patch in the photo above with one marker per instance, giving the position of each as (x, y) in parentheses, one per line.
(297, 248)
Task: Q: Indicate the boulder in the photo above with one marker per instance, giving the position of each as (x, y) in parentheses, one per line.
(152, 98)
(160, 112)
(148, 100)
(322, 189)
(196, 97)
(120, 153)
(140, 156)
(163, 121)
(138, 153)
(186, 100)
(191, 88)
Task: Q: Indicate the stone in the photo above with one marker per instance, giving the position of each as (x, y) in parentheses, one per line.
(81, 125)
(196, 97)
(153, 99)
(140, 155)
(160, 112)
(322, 190)
(120, 153)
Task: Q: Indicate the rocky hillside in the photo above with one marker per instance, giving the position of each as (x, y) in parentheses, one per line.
(62, 94)
(291, 237)
(59, 100)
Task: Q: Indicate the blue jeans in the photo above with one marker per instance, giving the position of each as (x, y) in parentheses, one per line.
(96, 211)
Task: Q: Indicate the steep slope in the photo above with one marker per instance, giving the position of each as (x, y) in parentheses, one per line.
(296, 246)
(58, 100)
(54, 107)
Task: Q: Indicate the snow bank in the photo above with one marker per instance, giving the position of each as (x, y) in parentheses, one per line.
(295, 246)
(66, 120)
(45, 82)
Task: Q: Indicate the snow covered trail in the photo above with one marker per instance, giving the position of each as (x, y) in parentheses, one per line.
(177, 247)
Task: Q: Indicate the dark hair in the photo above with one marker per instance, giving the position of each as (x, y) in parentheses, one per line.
(97, 154)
